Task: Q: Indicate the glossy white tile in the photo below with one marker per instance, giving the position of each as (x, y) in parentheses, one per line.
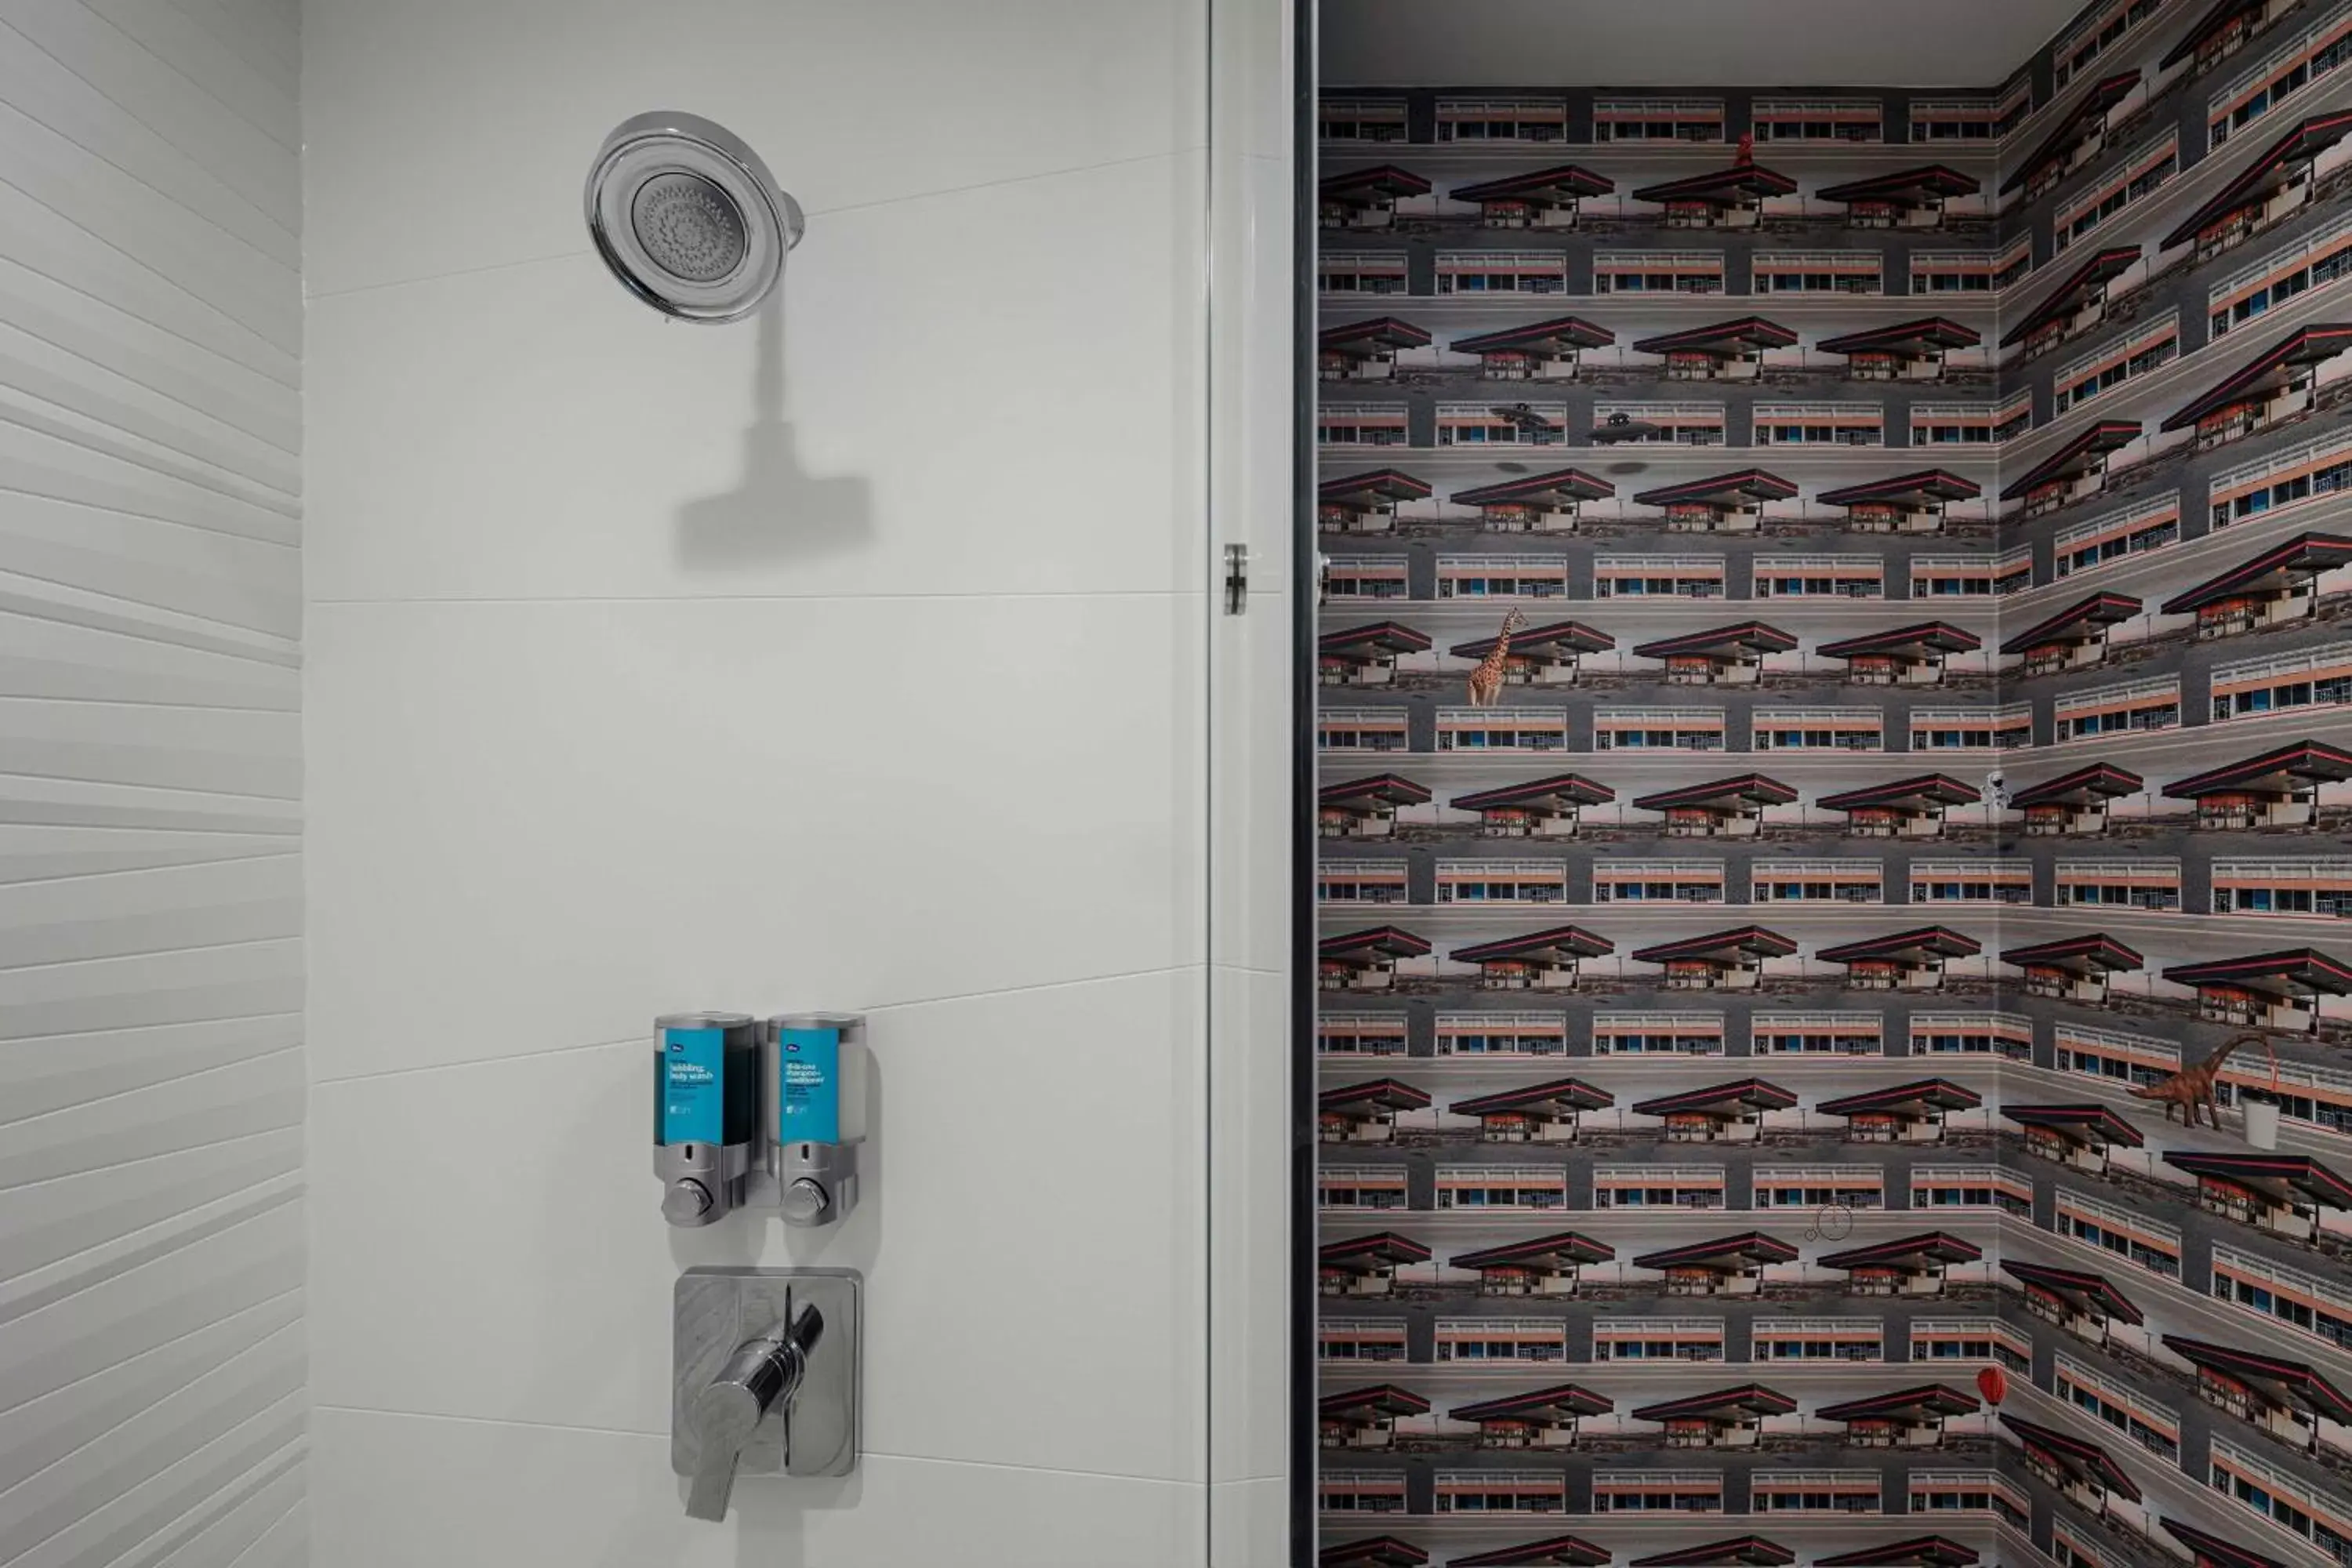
(370, 1471)
(535, 827)
(1250, 1259)
(1249, 1524)
(966, 394)
(1026, 1234)
(1252, 85)
(1253, 362)
(853, 106)
(1250, 665)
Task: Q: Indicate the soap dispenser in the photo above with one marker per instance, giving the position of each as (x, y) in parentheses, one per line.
(816, 1069)
(707, 1079)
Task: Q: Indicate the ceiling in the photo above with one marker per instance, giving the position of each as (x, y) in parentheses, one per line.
(1667, 43)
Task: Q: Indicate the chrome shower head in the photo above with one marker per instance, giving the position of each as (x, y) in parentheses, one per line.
(688, 218)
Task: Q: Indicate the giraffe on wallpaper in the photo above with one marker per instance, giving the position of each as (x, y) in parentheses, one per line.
(1486, 680)
(1529, 1163)
(2193, 1086)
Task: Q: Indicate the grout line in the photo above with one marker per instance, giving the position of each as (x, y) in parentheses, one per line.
(9, 1040)
(295, 1170)
(1141, 594)
(293, 453)
(870, 1009)
(166, 1082)
(241, 1434)
(318, 1082)
(1035, 1470)
(102, 436)
(134, 312)
(577, 253)
(491, 1421)
(106, 622)
(262, 1539)
(582, 252)
(290, 236)
(173, 951)
(289, 708)
(123, 1264)
(264, 131)
(293, 1326)
(292, 521)
(278, 652)
(662, 1435)
(292, 852)
(1211, 758)
(255, 49)
(165, 1546)
(1171, 156)
(202, 293)
(158, 1346)
(236, 795)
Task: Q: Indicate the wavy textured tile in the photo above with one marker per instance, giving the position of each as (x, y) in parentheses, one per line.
(152, 1351)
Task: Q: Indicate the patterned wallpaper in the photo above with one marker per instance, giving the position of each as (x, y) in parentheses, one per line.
(1921, 528)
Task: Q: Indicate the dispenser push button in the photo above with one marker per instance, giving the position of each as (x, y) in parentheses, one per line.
(686, 1202)
(805, 1201)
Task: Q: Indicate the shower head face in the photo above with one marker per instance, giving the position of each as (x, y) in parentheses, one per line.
(688, 227)
(688, 218)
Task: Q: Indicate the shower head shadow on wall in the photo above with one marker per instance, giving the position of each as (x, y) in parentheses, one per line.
(688, 218)
(777, 510)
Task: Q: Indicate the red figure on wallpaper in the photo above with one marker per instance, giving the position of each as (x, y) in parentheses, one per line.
(1445, 1185)
(2192, 1087)
(1486, 680)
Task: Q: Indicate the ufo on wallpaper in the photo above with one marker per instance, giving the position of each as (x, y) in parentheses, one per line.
(1710, 1026)
(1528, 423)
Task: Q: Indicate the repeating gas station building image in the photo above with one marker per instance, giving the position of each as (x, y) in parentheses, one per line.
(1835, 648)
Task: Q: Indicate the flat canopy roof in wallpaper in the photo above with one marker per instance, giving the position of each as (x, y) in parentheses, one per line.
(1835, 774)
(1664, 43)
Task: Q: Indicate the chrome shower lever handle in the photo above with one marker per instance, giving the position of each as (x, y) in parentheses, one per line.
(761, 1375)
(763, 1380)
(724, 1415)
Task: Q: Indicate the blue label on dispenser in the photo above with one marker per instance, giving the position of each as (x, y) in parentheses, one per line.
(694, 1086)
(808, 1086)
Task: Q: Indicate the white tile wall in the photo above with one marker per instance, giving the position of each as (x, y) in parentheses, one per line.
(1021, 417)
(152, 1340)
(541, 823)
(547, 1296)
(1252, 660)
(1250, 1258)
(393, 1491)
(862, 656)
(1249, 1523)
(447, 136)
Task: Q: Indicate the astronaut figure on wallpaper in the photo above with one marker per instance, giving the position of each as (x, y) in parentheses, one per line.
(1486, 680)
